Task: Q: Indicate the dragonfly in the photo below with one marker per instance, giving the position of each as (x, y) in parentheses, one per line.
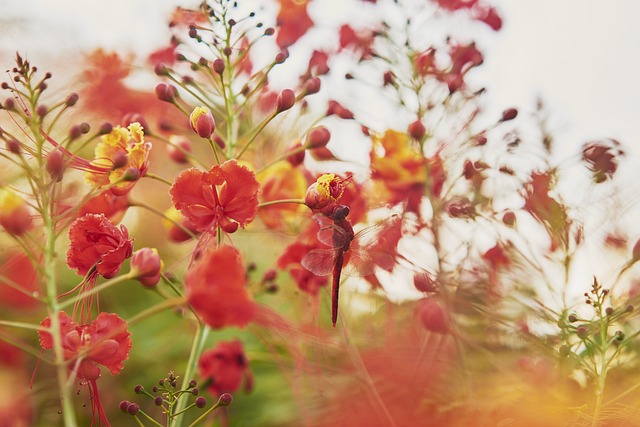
(357, 253)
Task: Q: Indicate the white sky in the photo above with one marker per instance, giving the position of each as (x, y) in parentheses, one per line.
(582, 56)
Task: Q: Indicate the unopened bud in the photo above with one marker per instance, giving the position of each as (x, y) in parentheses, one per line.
(131, 174)
(202, 122)
(388, 78)
(161, 70)
(225, 399)
(74, 132)
(417, 130)
(218, 65)
(13, 145)
(147, 266)
(297, 156)
(72, 99)
(165, 92)
(269, 31)
(312, 86)
(85, 128)
(179, 148)
(509, 114)
(201, 402)
(281, 56)
(133, 409)
(509, 218)
(55, 165)
(105, 129)
(286, 99)
(318, 137)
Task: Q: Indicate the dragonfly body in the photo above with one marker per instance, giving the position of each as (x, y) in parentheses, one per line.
(342, 242)
(356, 254)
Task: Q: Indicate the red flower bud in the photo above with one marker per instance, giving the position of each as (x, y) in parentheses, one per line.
(147, 265)
(202, 122)
(286, 100)
(509, 114)
(417, 130)
(298, 157)
(312, 86)
(165, 92)
(318, 137)
(509, 218)
(55, 165)
(433, 316)
(13, 146)
(388, 78)
(218, 66)
(179, 148)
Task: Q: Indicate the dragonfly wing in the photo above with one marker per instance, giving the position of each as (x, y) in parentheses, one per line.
(362, 263)
(319, 261)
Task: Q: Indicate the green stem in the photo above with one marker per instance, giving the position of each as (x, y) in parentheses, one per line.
(66, 395)
(196, 350)
(155, 309)
(99, 288)
(281, 201)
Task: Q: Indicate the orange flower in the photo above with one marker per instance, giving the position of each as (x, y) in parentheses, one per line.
(125, 152)
(216, 288)
(396, 162)
(282, 181)
(226, 196)
(112, 206)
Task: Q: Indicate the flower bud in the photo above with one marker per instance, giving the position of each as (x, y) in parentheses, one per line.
(179, 148)
(42, 110)
(433, 316)
(318, 137)
(161, 70)
(388, 78)
(417, 130)
(509, 218)
(133, 409)
(218, 65)
(286, 100)
(105, 129)
(72, 99)
(324, 194)
(509, 114)
(201, 402)
(225, 399)
(312, 86)
(13, 146)
(131, 175)
(15, 216)
(269, 31)
(147, 265)
(202, 122)
(55, 165)
(124, 405)
(282, 56)
(165, 92)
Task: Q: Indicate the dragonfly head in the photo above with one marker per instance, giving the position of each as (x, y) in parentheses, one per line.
(340, 213)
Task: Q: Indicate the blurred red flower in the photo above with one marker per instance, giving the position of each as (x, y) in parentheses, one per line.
(216, 288)
(18, 281)
(95, 242)
(293, 21)
(226, 196)
(225, 367)
(112, 206)
(105, 341)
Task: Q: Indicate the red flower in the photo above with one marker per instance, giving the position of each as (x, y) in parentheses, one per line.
(216, 288)
(226, 366)
(18, 281)
(293, 21)
(226, 196)
(361, 41)
(105, 342)
(112, 206)
(96, 242)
